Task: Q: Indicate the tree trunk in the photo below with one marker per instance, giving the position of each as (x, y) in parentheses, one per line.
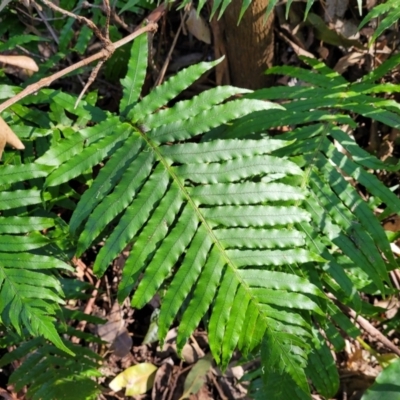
(249, 46)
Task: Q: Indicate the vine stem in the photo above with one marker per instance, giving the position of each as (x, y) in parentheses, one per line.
(103, 54)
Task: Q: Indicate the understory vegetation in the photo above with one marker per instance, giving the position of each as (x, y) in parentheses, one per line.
(253, 214)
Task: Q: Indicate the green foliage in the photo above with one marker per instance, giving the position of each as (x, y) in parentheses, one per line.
(390, 13)
(54, 374)
(388, 10)
(242, 231)
(386, 385)
(224, 221)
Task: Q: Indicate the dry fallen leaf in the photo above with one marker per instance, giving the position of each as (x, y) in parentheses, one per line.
(23, 62)
(198, 27)
(348, 60)
(115, 333)
(392, 223)
(8, 136)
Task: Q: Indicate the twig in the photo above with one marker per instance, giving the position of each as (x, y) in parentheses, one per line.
(217, 386)
(106, 42)
(91, 79)
(104, 38)
(88, 309)
(120, 21)
(200, 352)
(368, 327)
(175, 381)
(114, 16)
(108, 15)
(79, 18)
(393, 275)
(48, 26)
(168, 59)
(6, 395)
(101, 54)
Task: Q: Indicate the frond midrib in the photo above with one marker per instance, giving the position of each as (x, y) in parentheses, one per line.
(201, 218)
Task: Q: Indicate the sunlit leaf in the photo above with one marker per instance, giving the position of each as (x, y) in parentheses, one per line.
(136, 380)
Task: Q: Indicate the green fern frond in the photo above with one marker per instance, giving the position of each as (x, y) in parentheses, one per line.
(391, 15)
(245, 230)
(50, 373)
(30, 291)
(336, 207)
(343, 228)
(30, 298)
(283, 355)
(213, 216)
(321, 367)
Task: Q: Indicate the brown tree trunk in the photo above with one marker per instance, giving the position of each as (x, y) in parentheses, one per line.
(249, 46)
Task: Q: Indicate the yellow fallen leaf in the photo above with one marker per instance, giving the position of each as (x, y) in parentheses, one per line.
(8, 136)
(137, 379)
(23, 62)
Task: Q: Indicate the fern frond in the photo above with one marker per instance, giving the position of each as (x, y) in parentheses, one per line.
(391, 16)
(20, 198)
(169, 90)
(91, 156)
(133, 81)
(249, 232)
(107, 179)
(335, 202)
(189, 108)
(50, 373)
(30, 292)
(30, 298)
(321, 367)
(343, 228)
(283, 357)
(24, 224)
(195, 211)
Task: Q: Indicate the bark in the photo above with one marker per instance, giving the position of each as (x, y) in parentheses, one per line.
(249, 46)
